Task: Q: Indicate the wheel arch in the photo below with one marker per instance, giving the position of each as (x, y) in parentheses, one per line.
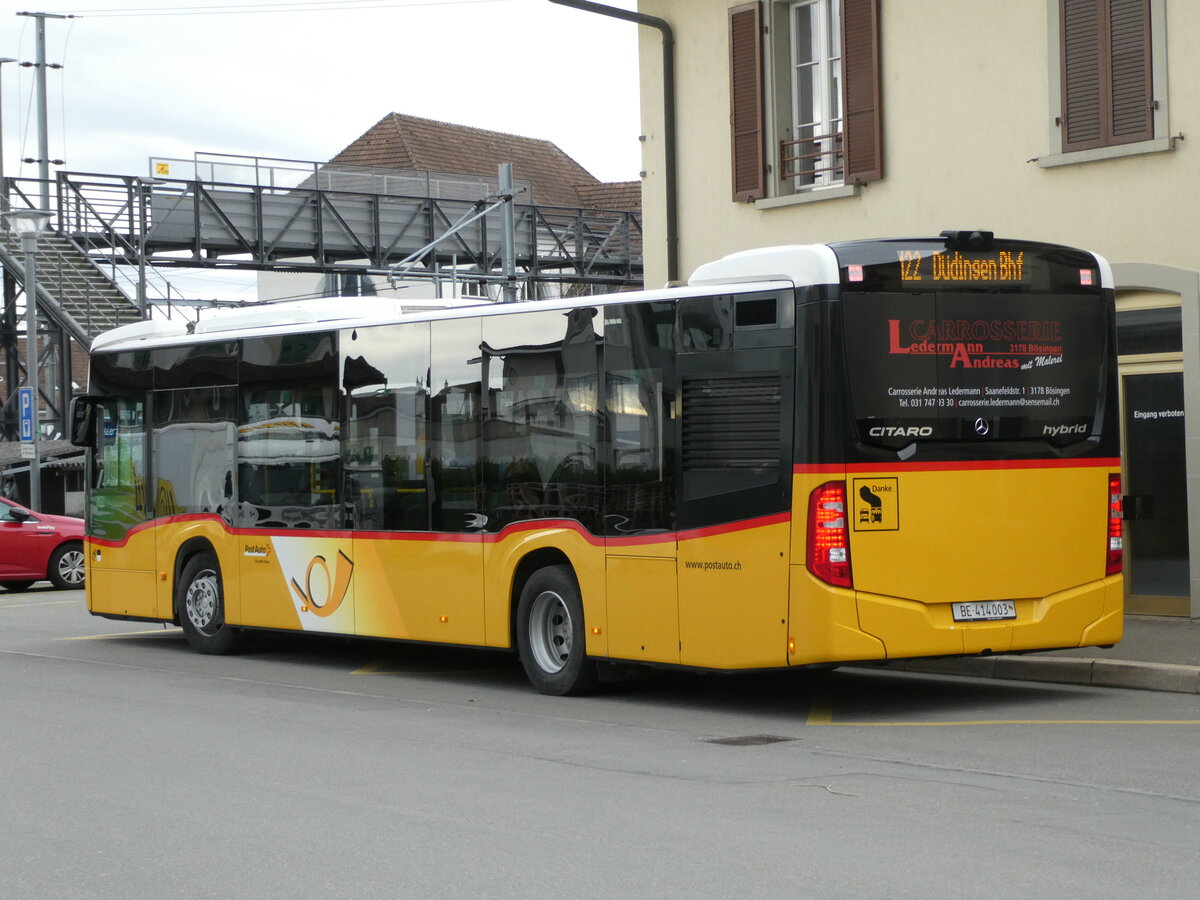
(531, 562)
(190, 548)
(64, 543)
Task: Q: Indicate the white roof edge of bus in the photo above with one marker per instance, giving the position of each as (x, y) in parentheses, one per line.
(140, 331)
(346, 312)
(306, 312)
(798, 263)
(324, 310)
(1106, 273)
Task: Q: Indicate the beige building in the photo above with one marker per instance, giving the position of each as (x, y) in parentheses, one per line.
(1053, 120)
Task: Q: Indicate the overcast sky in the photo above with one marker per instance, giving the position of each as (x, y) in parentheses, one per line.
(301, 80)
(165, 79)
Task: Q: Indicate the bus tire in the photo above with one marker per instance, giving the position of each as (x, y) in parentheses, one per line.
(551, 638)
(200, 597)
(66, 569)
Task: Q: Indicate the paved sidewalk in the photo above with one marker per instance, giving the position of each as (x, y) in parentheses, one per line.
(1158, 653)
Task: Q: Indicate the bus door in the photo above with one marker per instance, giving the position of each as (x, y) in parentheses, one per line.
(295, 558)
(734, 468)
(639, 491)
(193, 439)
(121, 556)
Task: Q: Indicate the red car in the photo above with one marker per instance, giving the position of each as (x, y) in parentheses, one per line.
(34, 546)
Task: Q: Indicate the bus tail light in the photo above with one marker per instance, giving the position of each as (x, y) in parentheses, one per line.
(1113, 562)
(829, 534)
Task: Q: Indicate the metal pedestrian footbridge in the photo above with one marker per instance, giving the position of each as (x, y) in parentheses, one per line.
(115, 237)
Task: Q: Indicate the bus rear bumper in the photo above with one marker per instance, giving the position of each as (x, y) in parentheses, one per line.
(829, 624)
(1082, 616)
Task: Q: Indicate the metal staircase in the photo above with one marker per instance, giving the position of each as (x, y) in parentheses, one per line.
(73, 291)
(76, 301)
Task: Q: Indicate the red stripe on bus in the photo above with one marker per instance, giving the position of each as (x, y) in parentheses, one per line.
(731, 527)
(662, 537)
(1108, 462)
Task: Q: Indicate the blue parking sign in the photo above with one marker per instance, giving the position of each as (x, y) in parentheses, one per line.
(25, 407)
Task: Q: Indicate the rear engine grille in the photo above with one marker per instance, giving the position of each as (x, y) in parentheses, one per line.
(731, 422)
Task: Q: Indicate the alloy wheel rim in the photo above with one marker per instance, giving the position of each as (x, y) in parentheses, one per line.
(202, 603)
(70, 567)
(550, 632)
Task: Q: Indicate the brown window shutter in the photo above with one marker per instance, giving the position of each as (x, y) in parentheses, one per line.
(1082, 75)
(1106, 73)
(861, 98)
(746, 102)
(1129, 35)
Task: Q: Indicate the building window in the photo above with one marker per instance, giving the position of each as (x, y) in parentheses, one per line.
(810, 144)
(805, 96)
(1107, 73)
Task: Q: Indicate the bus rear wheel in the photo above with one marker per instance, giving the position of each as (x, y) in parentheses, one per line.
(200, 598)
(550, 633)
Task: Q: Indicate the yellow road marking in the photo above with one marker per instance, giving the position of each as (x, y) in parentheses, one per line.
(120, 634)
(967, 722)
(43, 603)
(820, 710)
(377, 668)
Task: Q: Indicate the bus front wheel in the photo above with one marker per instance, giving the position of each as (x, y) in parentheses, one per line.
(550, 633)
(201, 601)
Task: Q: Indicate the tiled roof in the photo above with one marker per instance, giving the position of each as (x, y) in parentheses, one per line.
(622, 195)
(408, 142)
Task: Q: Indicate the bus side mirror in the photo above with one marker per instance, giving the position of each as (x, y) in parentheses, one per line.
(85, 413)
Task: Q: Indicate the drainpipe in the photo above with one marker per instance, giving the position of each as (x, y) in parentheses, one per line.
(668, 45)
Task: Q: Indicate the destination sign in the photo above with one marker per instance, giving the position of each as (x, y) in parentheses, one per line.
(934, 266)
(959, 268)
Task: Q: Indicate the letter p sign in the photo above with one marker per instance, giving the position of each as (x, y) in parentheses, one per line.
(25, 412)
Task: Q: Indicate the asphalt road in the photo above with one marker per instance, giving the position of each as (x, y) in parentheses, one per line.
(132, 768)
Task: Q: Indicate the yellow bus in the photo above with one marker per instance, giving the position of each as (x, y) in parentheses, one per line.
(813, 454)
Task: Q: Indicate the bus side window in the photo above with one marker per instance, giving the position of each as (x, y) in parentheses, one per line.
(118, 498)
(454, 412)
(639, 376)
(706, 323)
(385, 372)
(193, 438)
(541, 423)
(289, 432)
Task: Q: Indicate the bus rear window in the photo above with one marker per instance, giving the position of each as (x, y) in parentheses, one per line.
(963, 366)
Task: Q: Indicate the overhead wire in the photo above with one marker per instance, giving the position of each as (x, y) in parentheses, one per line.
(62, 89)
(286, 6)
(24, 129)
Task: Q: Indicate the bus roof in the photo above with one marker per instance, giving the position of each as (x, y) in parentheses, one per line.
(328, 313)
(761, 269)
(798, 263)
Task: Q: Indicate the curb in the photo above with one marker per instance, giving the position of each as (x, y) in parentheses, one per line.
(1129, 674)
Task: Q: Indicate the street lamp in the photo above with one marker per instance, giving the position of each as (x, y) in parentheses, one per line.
(3, 189)
(27, 224)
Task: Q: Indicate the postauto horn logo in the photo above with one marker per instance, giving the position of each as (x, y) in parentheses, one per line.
(323, 594)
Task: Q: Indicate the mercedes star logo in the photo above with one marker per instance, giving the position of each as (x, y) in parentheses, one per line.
(982, 427)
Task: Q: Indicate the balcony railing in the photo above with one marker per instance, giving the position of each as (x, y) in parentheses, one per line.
(810, 162)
